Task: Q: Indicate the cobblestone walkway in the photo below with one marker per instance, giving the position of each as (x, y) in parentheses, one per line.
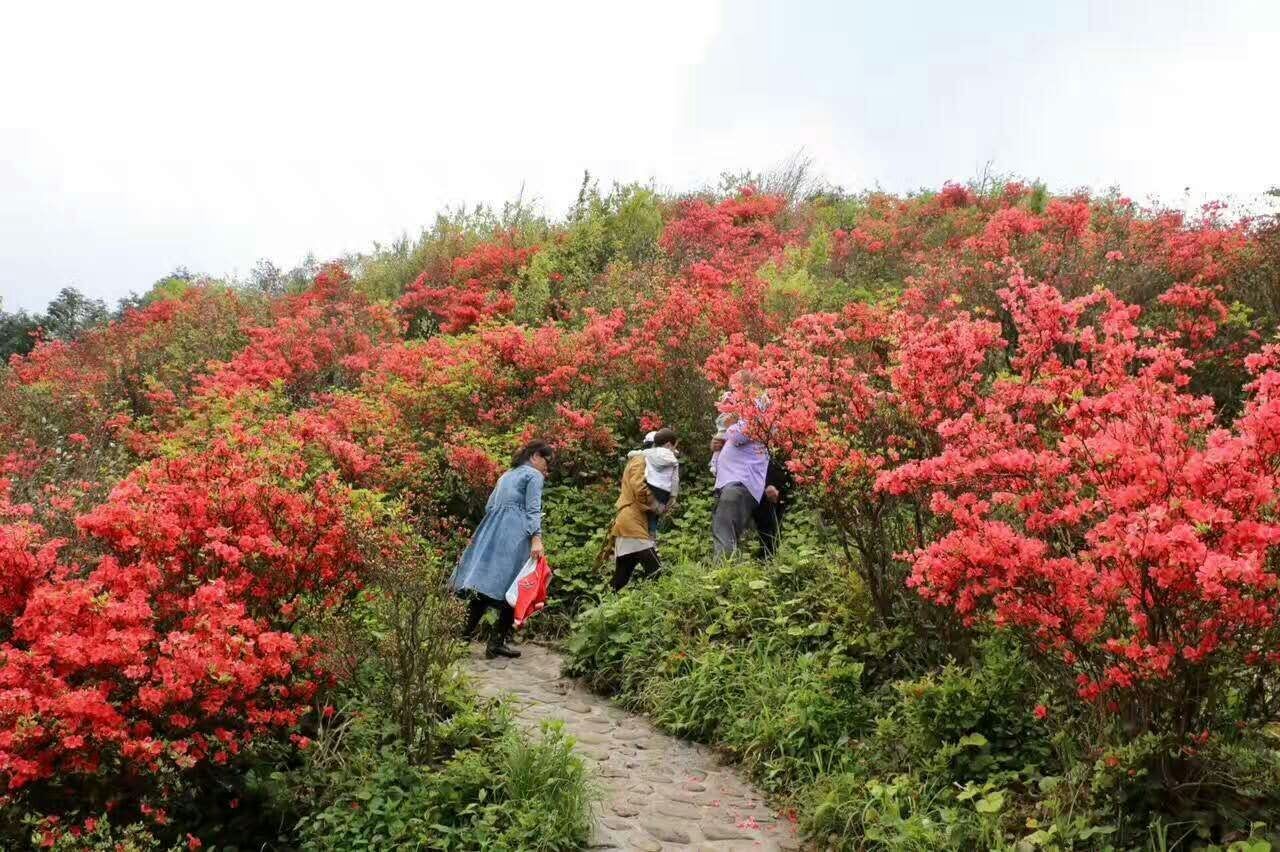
(659, 792)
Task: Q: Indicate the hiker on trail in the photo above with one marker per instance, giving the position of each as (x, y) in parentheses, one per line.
(510, 533)
(742, 378)
(661, 474)
(650, 482)
(741, 465)
(717, 440)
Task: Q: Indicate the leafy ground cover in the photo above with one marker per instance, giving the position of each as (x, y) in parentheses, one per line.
(896, 738)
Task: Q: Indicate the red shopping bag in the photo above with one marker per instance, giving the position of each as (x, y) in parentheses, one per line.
(528, 593)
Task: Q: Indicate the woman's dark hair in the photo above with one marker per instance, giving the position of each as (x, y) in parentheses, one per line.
(531, 449)
(664, 436)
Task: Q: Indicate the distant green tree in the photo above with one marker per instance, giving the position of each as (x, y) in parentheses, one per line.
(71, 313)
(17, 332)
(270, 280)
(171, 286)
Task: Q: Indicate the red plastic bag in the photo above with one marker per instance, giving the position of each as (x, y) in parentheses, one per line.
(528, 593)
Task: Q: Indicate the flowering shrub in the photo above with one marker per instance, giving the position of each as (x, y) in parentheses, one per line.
(737, 234)
(848, 395)
(84, 409)
(145, 629)
(321, 337)
(159, 640)
(142, 364)
(1090, 502)
(477, 289)
(102, 679)
(235, 513)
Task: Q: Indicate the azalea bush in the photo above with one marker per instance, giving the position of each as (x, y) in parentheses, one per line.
(476, 288)
(1091, 501)
(159, 637)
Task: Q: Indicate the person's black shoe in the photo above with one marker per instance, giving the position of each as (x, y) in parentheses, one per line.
(500, 650)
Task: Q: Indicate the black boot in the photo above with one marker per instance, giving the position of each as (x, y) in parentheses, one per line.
(499, 648)
(475, 611)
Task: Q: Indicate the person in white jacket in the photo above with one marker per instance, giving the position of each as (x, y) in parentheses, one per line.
(661, 473)
(662, 484)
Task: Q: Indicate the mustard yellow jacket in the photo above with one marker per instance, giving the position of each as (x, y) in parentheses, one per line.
(633, 502)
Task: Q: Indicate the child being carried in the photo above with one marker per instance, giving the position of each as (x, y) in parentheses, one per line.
(661, 474)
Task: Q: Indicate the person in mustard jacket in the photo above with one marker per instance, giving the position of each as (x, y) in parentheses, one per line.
(635, 545)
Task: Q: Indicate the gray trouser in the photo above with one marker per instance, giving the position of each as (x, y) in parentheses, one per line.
(734, 505)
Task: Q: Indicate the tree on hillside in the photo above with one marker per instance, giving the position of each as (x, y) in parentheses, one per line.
(271, 280)
(16, 333)
(70, 313)
(172, 285)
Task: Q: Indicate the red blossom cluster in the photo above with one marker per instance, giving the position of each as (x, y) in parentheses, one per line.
(164, 649)
(476, 467)
(737, 234)
(248, 511)
(477, 288)
(145, 623)
(318, 338)
(1090, 500)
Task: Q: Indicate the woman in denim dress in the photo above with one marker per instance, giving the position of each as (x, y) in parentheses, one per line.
(510, 533)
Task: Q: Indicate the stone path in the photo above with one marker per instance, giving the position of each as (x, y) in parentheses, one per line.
(659, 792)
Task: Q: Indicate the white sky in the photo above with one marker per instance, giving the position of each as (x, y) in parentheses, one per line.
(138, 137)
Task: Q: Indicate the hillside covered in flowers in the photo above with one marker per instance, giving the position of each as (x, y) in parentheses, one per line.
(1036, 438)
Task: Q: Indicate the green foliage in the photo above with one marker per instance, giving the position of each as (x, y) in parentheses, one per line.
(505, 794)
(1038, 198)
(411, 632)
(810, 279)
(751, 657)
(965, 723)
(410, 759)
(886, 738)
(17, 334)
(793, 286)
(70, 313)
(788, 719)
(619, 229)
(575, 529)
(902, 812)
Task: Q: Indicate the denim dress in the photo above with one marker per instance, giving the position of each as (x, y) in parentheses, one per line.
(501, 544)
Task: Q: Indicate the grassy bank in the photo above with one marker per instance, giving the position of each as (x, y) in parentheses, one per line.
(921, 735)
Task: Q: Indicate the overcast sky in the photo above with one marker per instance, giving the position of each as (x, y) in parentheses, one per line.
(138, 137)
